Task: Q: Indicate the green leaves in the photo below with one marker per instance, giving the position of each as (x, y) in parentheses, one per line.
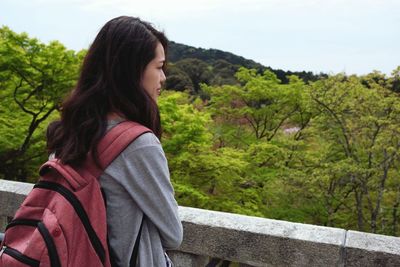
(262, 103)
(34, 78)
(183, 126)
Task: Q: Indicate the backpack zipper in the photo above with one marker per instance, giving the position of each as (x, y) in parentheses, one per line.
(80, 211)
(48, 240)
(19, 256)
(25, 222)
(2, 250)
(51, 247)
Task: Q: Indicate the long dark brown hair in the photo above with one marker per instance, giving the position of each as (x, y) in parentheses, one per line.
(110, 81)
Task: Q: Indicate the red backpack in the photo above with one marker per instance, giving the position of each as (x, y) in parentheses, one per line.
(62, 222)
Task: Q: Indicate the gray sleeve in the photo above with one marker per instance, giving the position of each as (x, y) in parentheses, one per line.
(145, 176)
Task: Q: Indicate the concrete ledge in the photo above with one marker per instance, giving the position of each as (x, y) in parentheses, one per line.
(254, 241)
(258, 241)
(365, 249)
(12, 194)
(181, 259)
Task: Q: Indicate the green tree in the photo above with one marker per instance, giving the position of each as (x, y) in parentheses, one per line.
(394, 80)
(197, 70)
(223, 73)
(178, 80)
(35, 77)
(361, 125)
(261, 102)
(203, 175)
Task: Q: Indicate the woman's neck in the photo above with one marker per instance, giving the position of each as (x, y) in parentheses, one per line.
(115, 116)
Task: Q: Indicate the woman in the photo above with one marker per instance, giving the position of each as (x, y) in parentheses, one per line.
(121, 78)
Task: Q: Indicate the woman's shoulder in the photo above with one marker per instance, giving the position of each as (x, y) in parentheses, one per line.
(146, 139)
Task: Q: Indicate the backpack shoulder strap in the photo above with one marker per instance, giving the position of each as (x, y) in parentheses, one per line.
(117, 139)
(113, 143)
(109, 147)
(74, 178)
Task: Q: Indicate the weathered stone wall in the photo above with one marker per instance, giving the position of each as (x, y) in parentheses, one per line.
(11, 196)
(254, 241)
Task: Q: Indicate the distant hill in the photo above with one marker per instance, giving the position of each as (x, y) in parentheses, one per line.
(179, 51)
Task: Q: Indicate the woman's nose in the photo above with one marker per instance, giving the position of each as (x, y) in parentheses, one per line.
(163, 77)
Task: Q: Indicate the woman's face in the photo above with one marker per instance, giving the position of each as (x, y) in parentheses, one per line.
(153, 76)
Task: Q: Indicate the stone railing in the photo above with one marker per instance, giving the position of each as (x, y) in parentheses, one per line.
(253, 241)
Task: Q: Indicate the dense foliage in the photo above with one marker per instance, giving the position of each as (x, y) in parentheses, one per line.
(34, 77)
(237, 139)
(215, 59)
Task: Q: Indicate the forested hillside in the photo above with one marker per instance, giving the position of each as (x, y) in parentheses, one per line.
(223, 63)
(237, 139)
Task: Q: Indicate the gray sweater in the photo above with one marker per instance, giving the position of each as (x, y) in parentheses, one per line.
(137, 182)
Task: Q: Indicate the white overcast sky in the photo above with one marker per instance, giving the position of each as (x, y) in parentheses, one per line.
(331, 36)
